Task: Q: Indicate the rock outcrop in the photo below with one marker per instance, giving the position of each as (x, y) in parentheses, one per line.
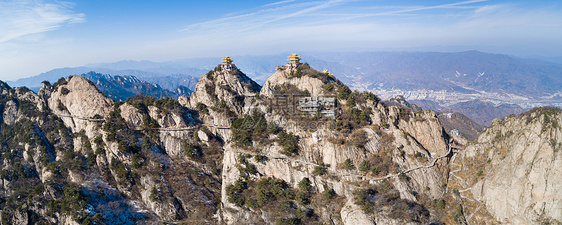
(302, 77)
(220, 96)
(76, 99)
(517, 162)
(221, 84)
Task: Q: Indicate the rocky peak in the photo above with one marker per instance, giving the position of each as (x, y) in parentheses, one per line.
(220, 96)
(401, 101)
(18, 103)
(4, 88)
(223, 88)
(76, 99)
(302, 77)
(45, 90)
(363, 145)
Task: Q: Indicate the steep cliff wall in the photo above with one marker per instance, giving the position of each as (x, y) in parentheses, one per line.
(515, 165)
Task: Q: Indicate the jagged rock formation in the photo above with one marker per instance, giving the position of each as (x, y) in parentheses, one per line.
(219, 96)
(75, 99)
(303, 78)
(401, 101)
(236, 154)
(222, 84)
(516, 168)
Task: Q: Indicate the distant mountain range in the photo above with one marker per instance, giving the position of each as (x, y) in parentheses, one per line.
(119, 88)
(442, 81)
(464, 72)
(166, 77)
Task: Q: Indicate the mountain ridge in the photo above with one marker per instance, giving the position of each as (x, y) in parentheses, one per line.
(452, 80)
(448, 69)
(169, 81)
(119, 88)
(228, 155)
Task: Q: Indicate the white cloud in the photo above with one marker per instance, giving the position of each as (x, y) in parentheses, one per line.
(19, 18)
(326, 25)
(279, 3)
(268, 15)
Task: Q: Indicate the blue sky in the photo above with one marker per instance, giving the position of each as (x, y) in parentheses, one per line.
(39, 35)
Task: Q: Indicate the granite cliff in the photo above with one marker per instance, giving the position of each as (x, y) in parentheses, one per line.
(514, 168)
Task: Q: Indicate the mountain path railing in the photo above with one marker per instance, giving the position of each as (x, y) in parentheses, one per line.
(350, 174)
(432, 164)
(141, 129)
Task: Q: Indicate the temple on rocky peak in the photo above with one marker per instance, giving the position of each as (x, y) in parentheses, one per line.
(294, 61)
(294, 58)
(227, 63)
(328, 73)
(226, 60)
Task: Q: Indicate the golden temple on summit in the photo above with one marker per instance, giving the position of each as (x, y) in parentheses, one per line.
(294, 58)
(226, 60)
(328, 73)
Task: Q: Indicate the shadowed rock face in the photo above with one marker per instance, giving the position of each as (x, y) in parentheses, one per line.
(467, 128)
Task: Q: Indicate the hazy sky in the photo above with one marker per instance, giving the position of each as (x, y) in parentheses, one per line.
(40, 35)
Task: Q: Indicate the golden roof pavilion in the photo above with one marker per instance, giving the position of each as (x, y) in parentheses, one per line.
(226, 60)
(294, 59)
